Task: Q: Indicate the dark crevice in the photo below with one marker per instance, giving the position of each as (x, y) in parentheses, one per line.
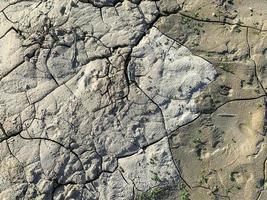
(158, 107)
(219, 22)
(254, 63)
(58, 143)
(177, 167)
(12, 28)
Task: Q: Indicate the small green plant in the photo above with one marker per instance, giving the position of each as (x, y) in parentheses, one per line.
(142, 196)
(226, 67)
(151, 194)
(208, 54)
(155, 192)
(197, 141)
(155, 178)
(185, 20)
(259, 105)
(184, 194)
(203, 177)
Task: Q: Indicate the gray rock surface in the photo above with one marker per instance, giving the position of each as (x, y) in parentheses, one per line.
(89, 93)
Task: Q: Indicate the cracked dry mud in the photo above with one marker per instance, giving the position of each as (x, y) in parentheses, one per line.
(133, 99)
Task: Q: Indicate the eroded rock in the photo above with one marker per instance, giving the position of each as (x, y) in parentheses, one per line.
(90, 92)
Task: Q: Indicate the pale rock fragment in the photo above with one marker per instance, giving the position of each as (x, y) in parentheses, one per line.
(90, 92)
(170, 75)
(113, 186)
(10, 48)
(152, 167)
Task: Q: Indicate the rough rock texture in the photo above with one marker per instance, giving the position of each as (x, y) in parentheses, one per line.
(102, 99)
(222, 154)
(90, 91)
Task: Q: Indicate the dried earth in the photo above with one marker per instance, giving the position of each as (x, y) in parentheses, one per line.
(133, 99)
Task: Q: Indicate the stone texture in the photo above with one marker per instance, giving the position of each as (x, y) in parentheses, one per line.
(93, 91)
